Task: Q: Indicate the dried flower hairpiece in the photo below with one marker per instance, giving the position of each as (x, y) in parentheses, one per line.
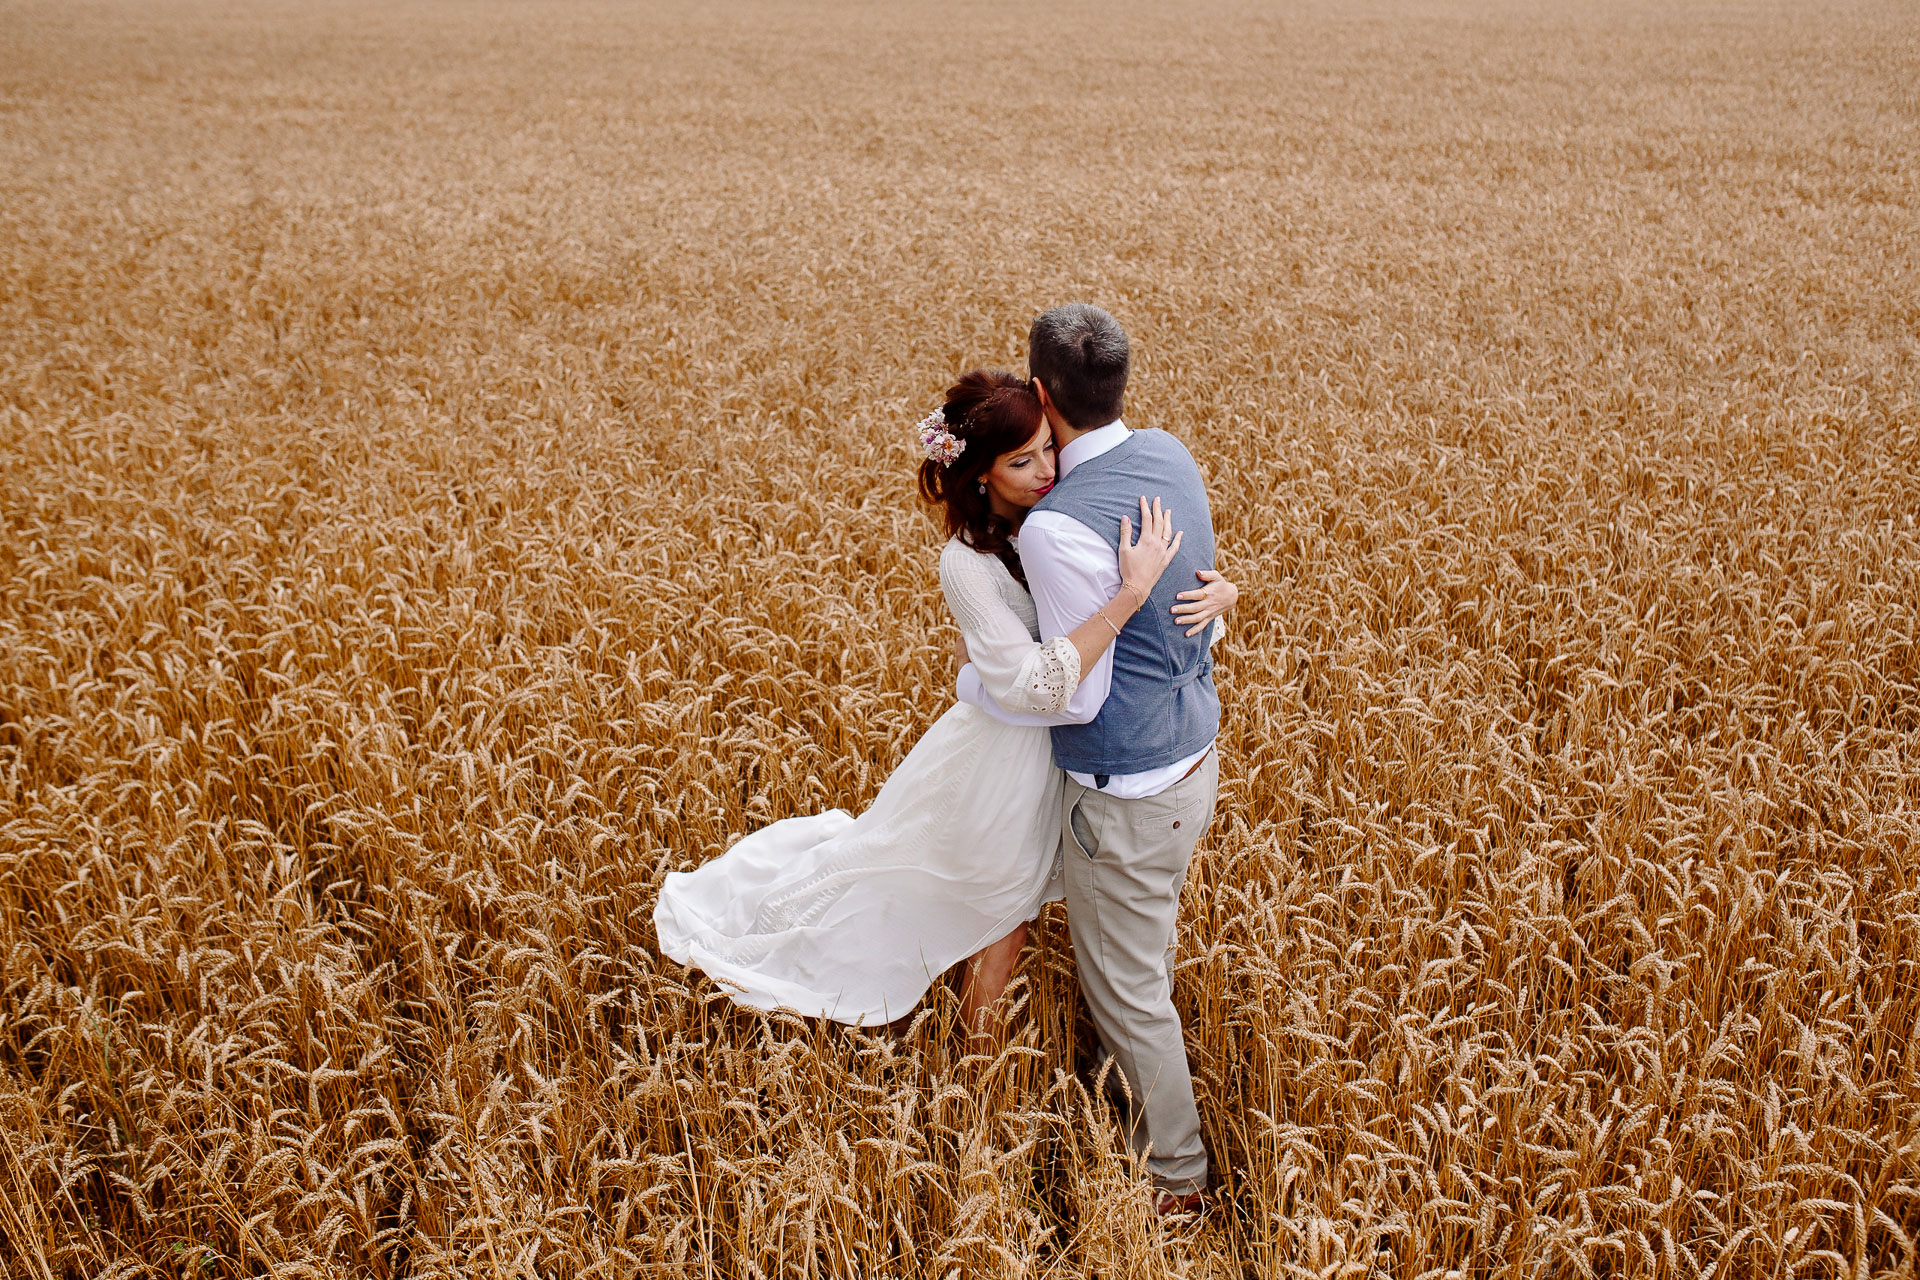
(942, 445)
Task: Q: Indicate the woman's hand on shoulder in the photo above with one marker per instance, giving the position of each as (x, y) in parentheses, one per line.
(1142, 562)
(1204, 604)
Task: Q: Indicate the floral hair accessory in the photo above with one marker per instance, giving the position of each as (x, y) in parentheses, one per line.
(942, 445)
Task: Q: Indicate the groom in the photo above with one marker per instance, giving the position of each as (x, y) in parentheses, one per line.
(1136, 740)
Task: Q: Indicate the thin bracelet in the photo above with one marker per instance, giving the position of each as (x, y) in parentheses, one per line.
(1128, 586)
(1102, 615)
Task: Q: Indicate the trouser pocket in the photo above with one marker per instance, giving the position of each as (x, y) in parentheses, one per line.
(1080, 831)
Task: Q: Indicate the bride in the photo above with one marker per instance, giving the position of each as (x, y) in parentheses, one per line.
(854, 918)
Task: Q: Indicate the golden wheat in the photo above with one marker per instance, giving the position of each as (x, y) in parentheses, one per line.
(457, 469)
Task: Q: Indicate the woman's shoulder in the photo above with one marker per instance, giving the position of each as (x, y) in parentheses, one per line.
(960, 563)
(958, 555)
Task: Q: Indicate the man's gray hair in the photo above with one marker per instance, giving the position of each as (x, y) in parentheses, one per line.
(1080, 354)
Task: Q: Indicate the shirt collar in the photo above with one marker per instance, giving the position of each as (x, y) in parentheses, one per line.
(1087, 447)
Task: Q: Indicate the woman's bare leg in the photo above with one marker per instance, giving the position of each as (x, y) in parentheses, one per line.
(986, 977)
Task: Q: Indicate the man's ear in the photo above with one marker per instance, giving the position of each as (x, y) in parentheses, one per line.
(1046, 402)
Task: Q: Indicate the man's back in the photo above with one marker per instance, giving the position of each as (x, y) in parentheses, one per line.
(1161, 707)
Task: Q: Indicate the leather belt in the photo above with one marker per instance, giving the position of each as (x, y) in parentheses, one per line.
(1196, 766)
(1100, 780)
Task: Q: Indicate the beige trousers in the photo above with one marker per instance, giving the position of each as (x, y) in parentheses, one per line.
(1125, 863)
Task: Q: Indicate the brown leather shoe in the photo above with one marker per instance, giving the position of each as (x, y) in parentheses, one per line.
(1167, 1205)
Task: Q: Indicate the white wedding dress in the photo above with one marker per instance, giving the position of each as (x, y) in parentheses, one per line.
(854, 918)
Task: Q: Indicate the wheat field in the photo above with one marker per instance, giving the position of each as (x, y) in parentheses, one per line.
(457, 469)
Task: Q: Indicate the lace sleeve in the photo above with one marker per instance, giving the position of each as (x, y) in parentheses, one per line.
(1017, 671)
(1051, 676)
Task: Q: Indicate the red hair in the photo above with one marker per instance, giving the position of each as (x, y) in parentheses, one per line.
(994, 413)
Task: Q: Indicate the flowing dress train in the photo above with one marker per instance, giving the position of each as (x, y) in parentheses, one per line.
(854, 918)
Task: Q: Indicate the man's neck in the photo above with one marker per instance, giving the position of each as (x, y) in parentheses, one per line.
(1080, 449)
(1064, 434)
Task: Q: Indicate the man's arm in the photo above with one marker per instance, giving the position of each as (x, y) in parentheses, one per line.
(1072, 573)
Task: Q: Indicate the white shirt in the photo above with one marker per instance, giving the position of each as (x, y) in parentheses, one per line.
(1073, 573)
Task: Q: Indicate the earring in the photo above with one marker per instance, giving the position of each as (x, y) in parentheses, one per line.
(982, 487)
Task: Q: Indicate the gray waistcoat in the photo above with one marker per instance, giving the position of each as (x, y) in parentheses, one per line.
(1162, 707)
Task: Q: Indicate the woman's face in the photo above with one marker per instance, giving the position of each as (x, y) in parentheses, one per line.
(1018, 479)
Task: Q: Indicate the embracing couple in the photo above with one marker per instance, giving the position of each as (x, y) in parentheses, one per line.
(1078, 761)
